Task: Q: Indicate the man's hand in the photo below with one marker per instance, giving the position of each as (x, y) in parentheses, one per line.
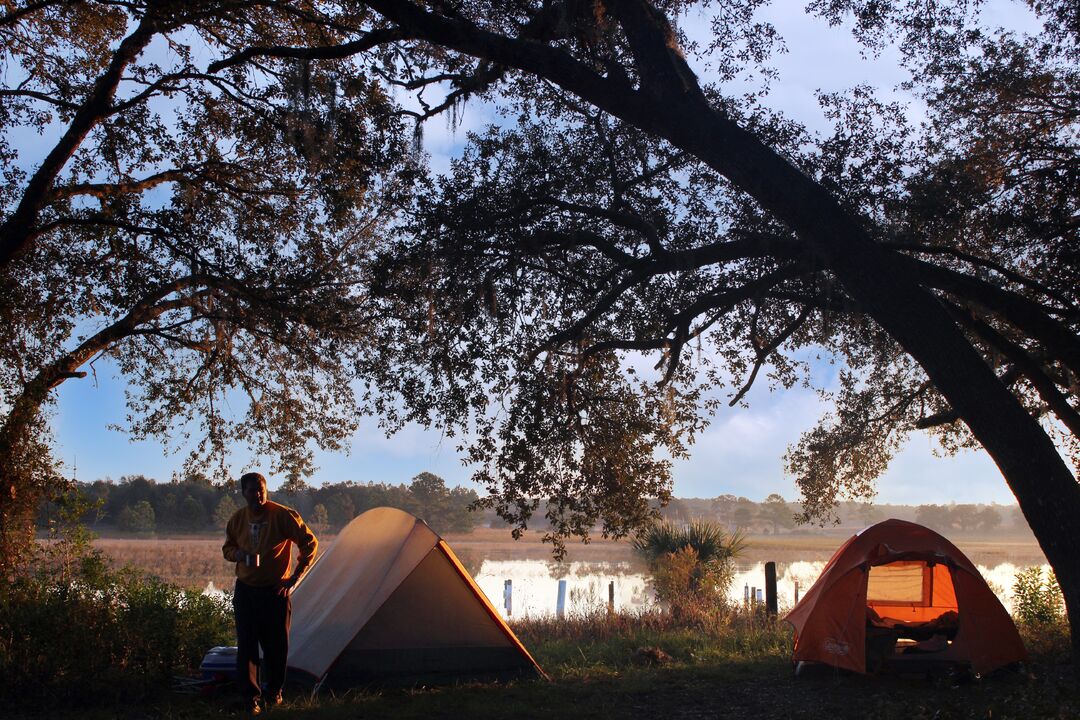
(285, 586)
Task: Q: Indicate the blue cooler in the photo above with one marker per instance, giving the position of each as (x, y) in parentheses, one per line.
(219, 664)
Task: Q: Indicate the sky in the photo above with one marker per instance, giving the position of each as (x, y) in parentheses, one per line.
(740, 453)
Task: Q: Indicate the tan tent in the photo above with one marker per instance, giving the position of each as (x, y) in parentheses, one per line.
(389, 601)
(902, 596)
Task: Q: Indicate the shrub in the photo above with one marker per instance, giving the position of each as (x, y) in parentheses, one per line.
(1037, 600)
(709, 540)
(1039, 610)
(74, 631)
(692, 565)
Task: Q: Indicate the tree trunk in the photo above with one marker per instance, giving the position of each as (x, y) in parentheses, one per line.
(26, 469)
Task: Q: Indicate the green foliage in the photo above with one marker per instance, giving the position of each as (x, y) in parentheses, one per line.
(341, 510)
(138, 504)
(138, 518)
(959, 518)
(1039, 610)
(444, 509)
(224, 510)
(692, 565)
(776, 511)
(74, 632)
(212, 241)
(319, 520)
(1037, 599)
(191, 514)
(709, 540)
(100, 636)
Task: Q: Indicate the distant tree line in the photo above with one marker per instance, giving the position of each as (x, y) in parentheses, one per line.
(777, 515)
(137, 504)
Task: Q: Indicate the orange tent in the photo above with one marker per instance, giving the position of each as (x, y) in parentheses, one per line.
(898, 594)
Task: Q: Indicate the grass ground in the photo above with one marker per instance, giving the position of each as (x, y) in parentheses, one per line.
(646, 668)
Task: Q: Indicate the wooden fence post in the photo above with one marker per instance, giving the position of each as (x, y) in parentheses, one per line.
(770, 588)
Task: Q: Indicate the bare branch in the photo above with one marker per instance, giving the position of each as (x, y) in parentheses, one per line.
(712, 301)
(1025, 363)
(371, 39)
(66, 105)
(764, 352)
(1005, 272)
(103, 190)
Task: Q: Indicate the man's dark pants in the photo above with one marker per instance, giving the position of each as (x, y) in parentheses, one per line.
(262, 618)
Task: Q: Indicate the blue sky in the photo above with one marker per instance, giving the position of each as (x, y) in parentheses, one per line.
(741, 453)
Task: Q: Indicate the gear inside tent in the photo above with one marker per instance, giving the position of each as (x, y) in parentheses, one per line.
(390, 602)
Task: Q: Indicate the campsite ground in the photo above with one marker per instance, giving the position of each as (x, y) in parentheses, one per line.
(741, 689)
(742, 673)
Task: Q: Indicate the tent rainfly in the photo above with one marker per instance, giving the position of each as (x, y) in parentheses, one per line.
(390, 602)
(898, 595)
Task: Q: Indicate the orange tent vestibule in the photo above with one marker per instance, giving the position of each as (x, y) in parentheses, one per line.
(898, 593)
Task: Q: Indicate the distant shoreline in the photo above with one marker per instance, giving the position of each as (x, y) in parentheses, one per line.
(194, 560)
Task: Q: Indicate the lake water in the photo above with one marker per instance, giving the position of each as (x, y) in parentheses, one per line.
(535, 584)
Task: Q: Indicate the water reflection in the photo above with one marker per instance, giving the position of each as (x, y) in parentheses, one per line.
(535, 584)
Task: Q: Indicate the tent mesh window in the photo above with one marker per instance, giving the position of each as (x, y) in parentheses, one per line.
(899, 583)
(911, 591)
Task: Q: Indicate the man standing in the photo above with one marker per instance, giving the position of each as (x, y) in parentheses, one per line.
(258, 538)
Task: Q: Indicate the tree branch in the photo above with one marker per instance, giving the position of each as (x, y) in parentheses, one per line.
(104, 190)
(764, 352)
(712, 301)
(1028, 316)
(17, 232)
(982, 262)
(1031, 369)
(66, 105)
(331, 52)
(15, 15)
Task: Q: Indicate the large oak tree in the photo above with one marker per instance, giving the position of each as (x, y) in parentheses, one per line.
(633, 209)
(627, 208)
